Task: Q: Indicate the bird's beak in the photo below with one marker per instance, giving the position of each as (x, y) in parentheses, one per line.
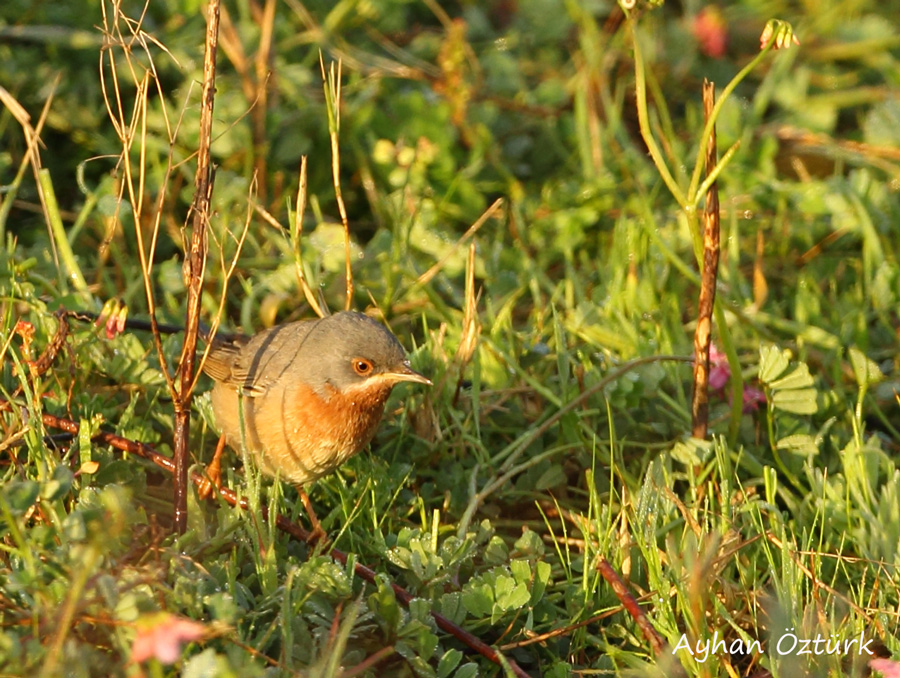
(406, 373)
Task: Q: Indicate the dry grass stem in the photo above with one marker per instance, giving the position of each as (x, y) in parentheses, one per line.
(296, 240)
(426, 277)
(709, 277)
(332, 84)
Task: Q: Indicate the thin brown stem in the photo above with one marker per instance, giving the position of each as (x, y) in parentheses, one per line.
(451, 252)
(709, 274)
(126, 129)
(297, 237)
(657, 642)
(332, 83)
(195, 267)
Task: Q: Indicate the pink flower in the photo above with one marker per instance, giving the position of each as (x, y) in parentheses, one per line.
(720, 373)
(161, 636)
(116, 323)
(887, 667)
(719, 369)
(711, 32)
(753, 398)
(113, 316)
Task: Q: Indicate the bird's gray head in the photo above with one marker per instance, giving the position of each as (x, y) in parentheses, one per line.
(350, 349)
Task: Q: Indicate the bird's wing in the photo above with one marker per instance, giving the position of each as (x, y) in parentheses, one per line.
(223, 353)
(253, 364)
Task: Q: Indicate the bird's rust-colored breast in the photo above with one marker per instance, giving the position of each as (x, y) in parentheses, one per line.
(301, 436)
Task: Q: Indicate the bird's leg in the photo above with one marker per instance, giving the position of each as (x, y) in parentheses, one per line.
(213, 472)
(317, 534)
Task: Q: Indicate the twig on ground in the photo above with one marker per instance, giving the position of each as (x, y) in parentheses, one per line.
(657, 642)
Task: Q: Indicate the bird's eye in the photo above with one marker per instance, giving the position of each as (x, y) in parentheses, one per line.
(362, 367)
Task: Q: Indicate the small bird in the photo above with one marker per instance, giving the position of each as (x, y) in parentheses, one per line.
(312, 393)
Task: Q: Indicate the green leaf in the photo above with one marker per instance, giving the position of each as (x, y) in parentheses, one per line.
(207, 663)
(798, 379)
(514, 599)
(452, 607)
(521, 571)
(502, 586)
(419, 665)
(448, 662)
(21, 495)
(552, 477)
(529, 544)
(383, 604)
(542, 570)
(691, 452)
(865, 371)
(796, 401)
(800, 444)
(469, 670)
(881, 126)
(496, 552)
(425, 641)
(400, 556)
(772, 363)
(59, 484)
(420, 610)
(478, 600)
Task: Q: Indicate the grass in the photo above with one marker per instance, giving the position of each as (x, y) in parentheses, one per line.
(556, 436)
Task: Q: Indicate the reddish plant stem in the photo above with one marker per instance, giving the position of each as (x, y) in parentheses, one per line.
(657, 643)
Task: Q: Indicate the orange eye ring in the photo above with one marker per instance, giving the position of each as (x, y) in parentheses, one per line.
(362, 366)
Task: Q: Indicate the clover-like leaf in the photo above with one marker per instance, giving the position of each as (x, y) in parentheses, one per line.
(801, 444)
(772, 363)
(865, 371)
(478, 599)
(799, 378)
(449, 661)
(796, 401)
